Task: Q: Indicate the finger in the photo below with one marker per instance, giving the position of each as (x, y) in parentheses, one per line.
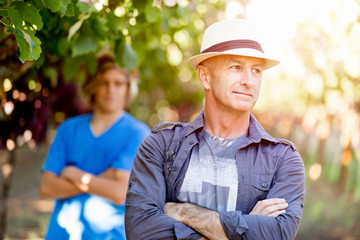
(277, 213)
(261, 210)
(262, 205)
(272, 201)
(274, 208)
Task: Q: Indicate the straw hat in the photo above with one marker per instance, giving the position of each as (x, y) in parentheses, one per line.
(234, 37)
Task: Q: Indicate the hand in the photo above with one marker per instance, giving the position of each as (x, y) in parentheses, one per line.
(76, 176)
(270, 207)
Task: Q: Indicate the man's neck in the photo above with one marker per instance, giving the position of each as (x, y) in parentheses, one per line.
(101, 121)
(226, 124)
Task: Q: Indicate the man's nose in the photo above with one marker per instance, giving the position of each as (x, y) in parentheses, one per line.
(111, 88)
(246, 77)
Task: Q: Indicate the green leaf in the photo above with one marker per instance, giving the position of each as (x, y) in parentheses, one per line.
(100, 28)
(126, 56)
(114, 22)
(29, 45)
(25, 44)
(83, 45)
(39, 3)
(36, 51)
(90, 62)
(53, 5)
(40, 61)
(130, 58)
(70, 68)
(62, 47)
(74, 28)
(7, 23)
(152, 14)
(84, 8)
(70, 10)
(3, 13)
(14, 16)
(29, 13)
(64, 4)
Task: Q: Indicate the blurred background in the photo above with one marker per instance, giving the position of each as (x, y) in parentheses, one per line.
(48, 48)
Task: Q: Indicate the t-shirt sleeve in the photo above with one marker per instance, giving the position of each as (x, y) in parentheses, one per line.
(126, 158)
(56, 158)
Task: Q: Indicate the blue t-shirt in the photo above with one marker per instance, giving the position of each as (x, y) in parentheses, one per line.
(87, 216)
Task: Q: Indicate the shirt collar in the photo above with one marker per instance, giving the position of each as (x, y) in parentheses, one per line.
(256, 131)
(198, 123)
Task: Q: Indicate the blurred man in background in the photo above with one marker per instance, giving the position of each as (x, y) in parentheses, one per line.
(88, 165)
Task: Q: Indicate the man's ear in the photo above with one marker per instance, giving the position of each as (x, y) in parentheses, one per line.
(204, 76)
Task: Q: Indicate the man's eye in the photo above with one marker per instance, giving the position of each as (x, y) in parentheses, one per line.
(120, 84)
(236, 67)
(256, 70)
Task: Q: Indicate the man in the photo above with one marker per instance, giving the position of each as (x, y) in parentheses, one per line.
(88, 165)
(221, 176)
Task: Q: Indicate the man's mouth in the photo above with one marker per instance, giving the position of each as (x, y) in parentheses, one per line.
(242, 93)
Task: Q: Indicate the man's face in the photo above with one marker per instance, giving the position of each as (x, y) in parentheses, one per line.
(232, 82)
(111, 91)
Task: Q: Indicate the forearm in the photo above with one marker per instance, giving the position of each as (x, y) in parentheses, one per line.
(53, 186)
(202, 220)
(111, 185)
(256, 227)
(145, 219)
(114, 190)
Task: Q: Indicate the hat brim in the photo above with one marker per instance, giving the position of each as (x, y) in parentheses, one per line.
(268, 62)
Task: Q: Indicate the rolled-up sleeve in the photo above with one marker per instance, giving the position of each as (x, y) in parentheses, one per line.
(289, 183)
(146, 197)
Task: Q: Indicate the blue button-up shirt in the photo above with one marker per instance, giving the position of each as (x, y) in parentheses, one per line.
(267, 168)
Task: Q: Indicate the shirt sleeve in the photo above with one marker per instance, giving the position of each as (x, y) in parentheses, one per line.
(290, 185)
(146, 197)
(56, 158)
(126, 158)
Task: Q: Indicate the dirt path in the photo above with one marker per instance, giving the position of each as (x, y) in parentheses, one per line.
(27, 214)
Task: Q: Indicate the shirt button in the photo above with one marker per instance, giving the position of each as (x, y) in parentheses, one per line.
(264, 184)
(191, 143)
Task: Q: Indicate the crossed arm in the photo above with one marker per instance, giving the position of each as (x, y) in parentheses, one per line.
(111, 184)
(207, 222)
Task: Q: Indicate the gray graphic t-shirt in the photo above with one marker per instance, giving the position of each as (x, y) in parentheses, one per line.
(211, 180)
